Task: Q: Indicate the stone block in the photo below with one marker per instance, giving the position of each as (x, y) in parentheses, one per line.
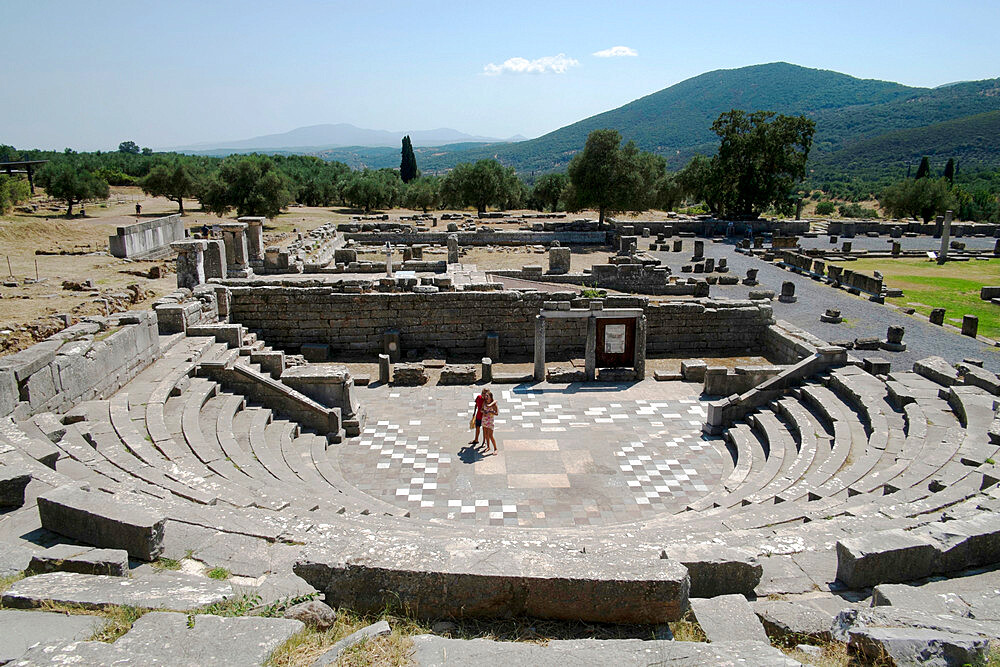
(103, 520)
(458, 374)
(784, 618)
(13, 482)
(384, 368)
(83, 560)
(559, 260)
(937, 316)
(936, 369)
(889, 556)
(970, 325)
(693, 370)
(717, 570)
(409, 375)
(24, 629)
(157, 590)
(917, 646)
(877, 366)
(728, 618)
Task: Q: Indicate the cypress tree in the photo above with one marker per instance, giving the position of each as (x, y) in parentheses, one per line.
(949, 171)
(408, 165)
(924, 170)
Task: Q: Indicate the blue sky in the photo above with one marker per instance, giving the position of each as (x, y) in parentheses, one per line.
(90, 74)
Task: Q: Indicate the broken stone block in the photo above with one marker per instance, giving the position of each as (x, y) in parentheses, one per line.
(157, 590)
(83, 560)
(728, 618)
(888, 556)
(23, 629)
(693, 370)
(936, 369)
(717, 570)
(13, 482)
(103, 520)
(783, 618)
(913, 646)
(458, 374)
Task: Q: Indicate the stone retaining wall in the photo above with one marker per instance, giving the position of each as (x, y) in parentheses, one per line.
(458, 322)
(147, 238)
(633, 278)
(86, 361)
(479, 238)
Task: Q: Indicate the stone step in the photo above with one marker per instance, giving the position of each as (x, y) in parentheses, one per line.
(83, 560)
(155, 590)
(432, 651)
(24, 629)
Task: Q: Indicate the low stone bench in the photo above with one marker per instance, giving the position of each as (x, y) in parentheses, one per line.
(83, 560)
(103, 520)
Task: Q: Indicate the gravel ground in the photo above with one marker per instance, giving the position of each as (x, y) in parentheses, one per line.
(865, 319)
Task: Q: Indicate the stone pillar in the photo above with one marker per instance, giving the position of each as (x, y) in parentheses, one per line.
(390, 344)
(751, 278)
(996, 248)
(234, 234)
(255, 240)
(699, 250)
(190, 263)
(383, 368)
(487, 370)
(846, 246)
(938, 226)
(937, 316)
(668, 231)
(645, 232)
(787, 292)
(970, 323)
(493, 345)
(628, 245)
(723, 265)
(539, 348)
(453, 249)
(388, 260)
(945, 238)
(417, 252)
(678, 245)
(590, 351)
(895, 247)
(895, 232)
(639, 358)
(709, 264)
(559, 259)
(215, 259)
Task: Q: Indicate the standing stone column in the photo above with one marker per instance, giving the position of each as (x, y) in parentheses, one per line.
(539, 348)
(590, 351)
(970, 323)
(234, 234)
(896, 248)
(215, 259)
(639, 358)
(559, 260)
(937, 316)
(996, 247)
(945, 238)
(255, 240)
(453, 249)
(938, 226)
(190, 263)
(699, 250)
(787, 292)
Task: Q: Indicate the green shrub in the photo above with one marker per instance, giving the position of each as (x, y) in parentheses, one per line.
(825, 208)
(857, 211)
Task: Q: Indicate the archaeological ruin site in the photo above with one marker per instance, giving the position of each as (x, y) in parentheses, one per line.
(690, 429)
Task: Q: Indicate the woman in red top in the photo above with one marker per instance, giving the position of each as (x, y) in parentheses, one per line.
(478, 415)
(490, 410)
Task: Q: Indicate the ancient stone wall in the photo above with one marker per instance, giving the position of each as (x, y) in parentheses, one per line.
(481, 237)
(457, 322)
(83, 362)
(147, 238)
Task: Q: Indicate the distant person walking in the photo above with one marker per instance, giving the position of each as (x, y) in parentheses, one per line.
(490, 410)
(477, 414)
(138, 209)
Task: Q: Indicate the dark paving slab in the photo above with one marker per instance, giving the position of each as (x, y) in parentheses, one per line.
(865, 318)
(569, 455)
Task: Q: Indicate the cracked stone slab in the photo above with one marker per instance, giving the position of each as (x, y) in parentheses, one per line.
(24, 629)
(164, 590)
(913, 646)
(717, 570)
(783, 617)
(431, 651)
(167, 638)
(728, 618)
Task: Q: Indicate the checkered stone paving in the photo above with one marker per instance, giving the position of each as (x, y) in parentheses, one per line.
(569, 455)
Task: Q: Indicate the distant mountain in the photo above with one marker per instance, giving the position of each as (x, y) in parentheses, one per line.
(318, 137)
(676, 122)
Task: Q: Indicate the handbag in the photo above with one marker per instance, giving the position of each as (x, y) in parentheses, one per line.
(472, 424)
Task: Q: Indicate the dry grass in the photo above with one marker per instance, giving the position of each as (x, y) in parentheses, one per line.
(834, 655)
(119, 621)
(392, 649)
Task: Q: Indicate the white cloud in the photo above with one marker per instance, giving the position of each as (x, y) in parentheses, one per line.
(616, 52)
(554, 64)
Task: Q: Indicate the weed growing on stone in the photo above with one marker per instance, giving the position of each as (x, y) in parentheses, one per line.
(219, 573)
(237, 605)
(7, 582)
(162, 563)
(687, 629)
(278, 607)
(119, 621)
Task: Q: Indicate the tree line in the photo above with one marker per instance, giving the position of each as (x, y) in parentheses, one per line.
(760, 167)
